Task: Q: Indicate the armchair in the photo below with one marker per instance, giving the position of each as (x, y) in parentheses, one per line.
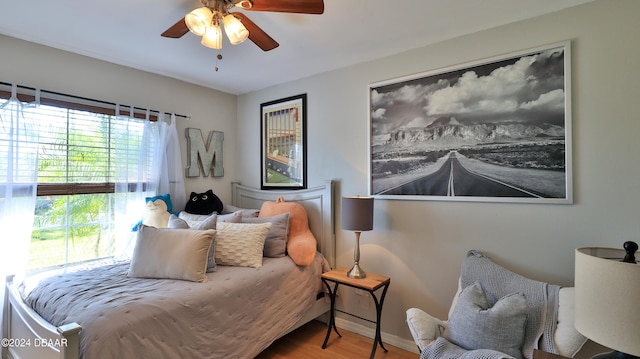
(526, 315)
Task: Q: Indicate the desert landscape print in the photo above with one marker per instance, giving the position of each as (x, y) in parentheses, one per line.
(492, 131)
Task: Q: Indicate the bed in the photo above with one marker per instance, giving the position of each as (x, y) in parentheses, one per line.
(245, 321)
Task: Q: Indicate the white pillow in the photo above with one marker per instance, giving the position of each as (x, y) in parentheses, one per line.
(240, 244)
(171, 253)
(192, 219)
(567, 339)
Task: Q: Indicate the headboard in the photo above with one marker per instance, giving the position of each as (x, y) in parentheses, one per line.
(318, 202)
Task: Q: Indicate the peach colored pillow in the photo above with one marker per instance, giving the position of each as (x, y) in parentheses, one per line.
(301, 245)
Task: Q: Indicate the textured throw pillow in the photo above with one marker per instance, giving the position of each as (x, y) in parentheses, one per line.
(171, 253)
(275, 245)
(241, 244)
(209, 222)
(475, 325)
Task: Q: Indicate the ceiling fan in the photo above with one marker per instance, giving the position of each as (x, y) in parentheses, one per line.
(207, 21)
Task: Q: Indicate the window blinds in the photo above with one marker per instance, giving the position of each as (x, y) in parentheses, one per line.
(80, 140)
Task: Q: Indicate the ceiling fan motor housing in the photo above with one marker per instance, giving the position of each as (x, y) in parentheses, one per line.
(219, 9)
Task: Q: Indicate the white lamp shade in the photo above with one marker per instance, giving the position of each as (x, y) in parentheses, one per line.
(607, 295)
(198, 20)
(236, 32)
(357, 213)
(212, 37)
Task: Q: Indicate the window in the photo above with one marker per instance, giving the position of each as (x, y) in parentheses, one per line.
(76, 175)
(84, 153)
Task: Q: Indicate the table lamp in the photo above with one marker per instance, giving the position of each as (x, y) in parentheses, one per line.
(607, 299)
(357, 216)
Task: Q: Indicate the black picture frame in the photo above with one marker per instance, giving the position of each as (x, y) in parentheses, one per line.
(283, 143)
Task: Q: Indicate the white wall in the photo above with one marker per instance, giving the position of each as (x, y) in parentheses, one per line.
(420, 244)
(43, 67)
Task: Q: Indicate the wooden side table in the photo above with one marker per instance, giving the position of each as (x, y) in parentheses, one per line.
(539, 354)
(371, 283)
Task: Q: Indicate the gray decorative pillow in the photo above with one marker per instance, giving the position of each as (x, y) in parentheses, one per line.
(244, 212)
(208, 222)
(171, 253)
(275, 245)
(475, 325)
(235, 217)
(176, 222)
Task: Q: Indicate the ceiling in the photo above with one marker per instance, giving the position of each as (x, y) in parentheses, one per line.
(127, 32)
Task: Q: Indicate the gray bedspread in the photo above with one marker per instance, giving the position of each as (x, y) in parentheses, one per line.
(235, 314)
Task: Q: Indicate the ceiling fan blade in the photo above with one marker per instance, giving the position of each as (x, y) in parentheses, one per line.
(256, 34)
(294, 6)
(177, 30)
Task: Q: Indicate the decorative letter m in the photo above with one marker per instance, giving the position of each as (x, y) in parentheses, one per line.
(209, 153)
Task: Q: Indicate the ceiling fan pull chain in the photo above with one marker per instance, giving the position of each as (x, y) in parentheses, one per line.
(218, 58)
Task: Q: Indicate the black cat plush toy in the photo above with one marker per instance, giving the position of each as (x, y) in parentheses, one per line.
(203, 203)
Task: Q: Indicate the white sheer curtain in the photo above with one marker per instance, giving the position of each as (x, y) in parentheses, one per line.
(139, 159)
(175, 173)
(18, 186)
(170, 179)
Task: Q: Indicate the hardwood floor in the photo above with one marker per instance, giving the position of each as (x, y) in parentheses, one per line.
(306, 343)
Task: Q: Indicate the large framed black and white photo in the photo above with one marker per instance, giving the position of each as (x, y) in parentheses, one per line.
(283, 143)
(496, 130)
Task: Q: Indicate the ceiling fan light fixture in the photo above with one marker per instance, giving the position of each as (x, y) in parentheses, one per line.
(236, 32)
(244, 4)
(199, 20)
(212, 38)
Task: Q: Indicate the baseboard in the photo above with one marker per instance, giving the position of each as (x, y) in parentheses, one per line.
(396, 341)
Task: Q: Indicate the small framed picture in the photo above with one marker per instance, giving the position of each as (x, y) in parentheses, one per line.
(283, 143)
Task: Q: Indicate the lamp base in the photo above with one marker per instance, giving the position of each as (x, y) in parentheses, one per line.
(356, 272)
(614, 355)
